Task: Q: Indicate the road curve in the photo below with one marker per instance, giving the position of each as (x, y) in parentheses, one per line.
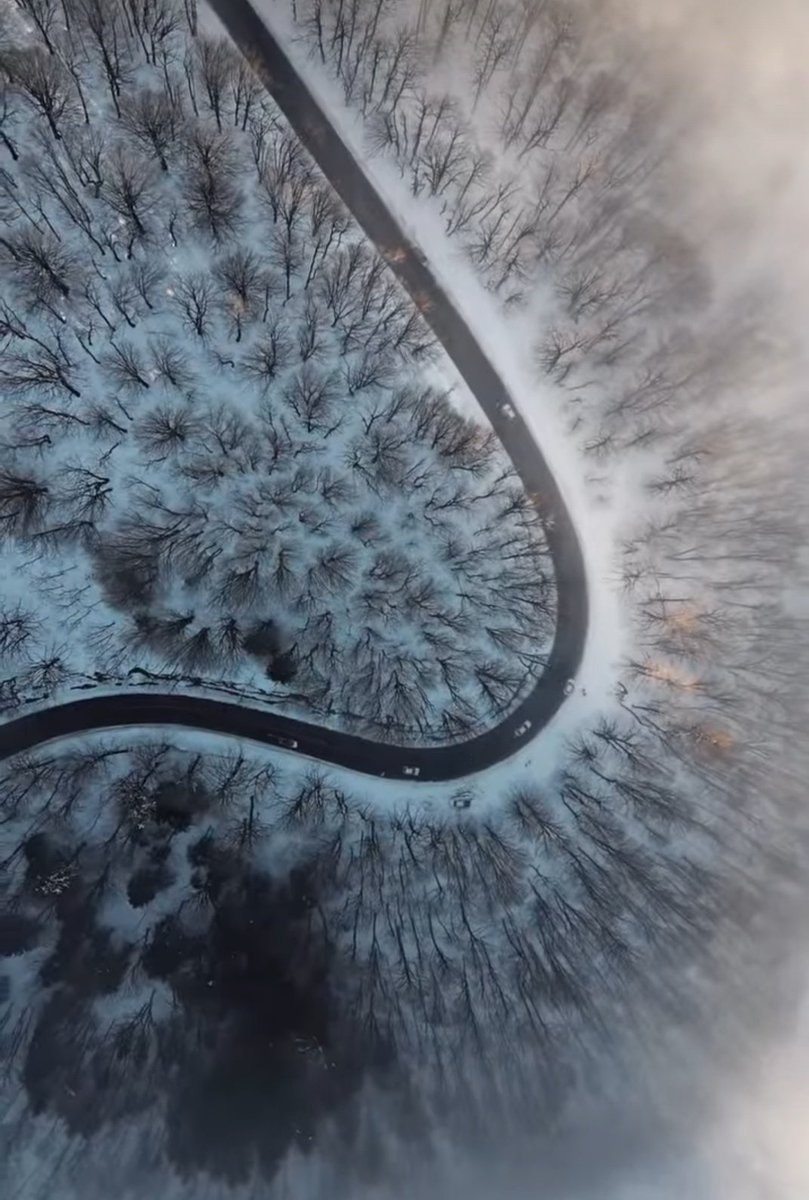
(428, 764)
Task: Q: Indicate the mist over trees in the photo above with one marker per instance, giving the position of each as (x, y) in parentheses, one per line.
(226, 953)
(171, 917)
(238, 961)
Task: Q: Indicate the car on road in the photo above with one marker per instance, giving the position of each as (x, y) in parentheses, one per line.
(287, 743)
(411, 771)
(399, 254)
(521, 730)
(570, 687)
(508, 411)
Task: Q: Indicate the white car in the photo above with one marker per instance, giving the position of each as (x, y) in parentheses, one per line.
(508, 411)
(570, 687)
(521, 730)
(411, 770)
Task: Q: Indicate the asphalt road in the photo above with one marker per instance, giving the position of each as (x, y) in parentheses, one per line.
(431, 763)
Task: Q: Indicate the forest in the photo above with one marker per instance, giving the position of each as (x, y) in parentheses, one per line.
(228, 452)
(228, 972)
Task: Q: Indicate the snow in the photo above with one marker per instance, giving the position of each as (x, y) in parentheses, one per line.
(610, 500)
(632, 851)
(183, 471)
(505, 335)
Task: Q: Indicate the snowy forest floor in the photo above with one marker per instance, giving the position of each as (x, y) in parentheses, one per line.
(229, 454)
(228, 973)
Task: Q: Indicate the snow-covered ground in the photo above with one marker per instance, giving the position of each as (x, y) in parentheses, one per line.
(598, 500)
(620, 894)
(231, 450)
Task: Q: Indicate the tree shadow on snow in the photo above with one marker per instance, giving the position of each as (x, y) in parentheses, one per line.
(256, 1050)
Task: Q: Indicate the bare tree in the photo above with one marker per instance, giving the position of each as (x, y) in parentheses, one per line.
(39, 366)
(86, 494)
(212, 194)
(311, 330)
(170, 365)
(280, 162)
(126, 299)
(217, 67)
(145, 279)
(129, 188)
(334, 569)
(399, 71)
(125, 366)
(495, 44)
(17, 626)
(198, 651)
(24, 502)
(246, 93)
(226, 435)
(269, 355)
(328, 223)
(244, 280)
(154, 22)
(40, 77)
(228, 636)
(341, 282)
(42, 268)
(193, 295)
(46, 15)
(190, 10)
(311, 396)
(50, 172)
(215, 203)
(85, 149)
(156, 120)
(370, 369)
(8, 119)
(241, 586)
(166, 430)
(105, 22)
(287, 254)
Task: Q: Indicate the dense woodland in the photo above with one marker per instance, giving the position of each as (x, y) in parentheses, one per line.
(227, 453)
(241, 950)
(466, 969)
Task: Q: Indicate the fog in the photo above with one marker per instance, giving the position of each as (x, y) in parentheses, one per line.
(721, 1114)
(714, 1103)
(730, 1126)
(744, 167)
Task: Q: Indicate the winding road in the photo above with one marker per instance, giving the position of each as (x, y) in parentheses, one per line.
(428, 764)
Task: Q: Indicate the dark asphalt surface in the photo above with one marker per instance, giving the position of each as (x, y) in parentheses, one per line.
(373, 758)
